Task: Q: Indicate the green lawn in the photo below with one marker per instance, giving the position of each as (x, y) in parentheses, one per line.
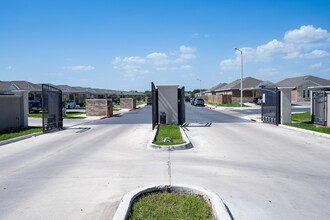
(305, 119)
(69, 115)
(140, 103)
(227, 105)
(116, 108)
(171, 131)
(170, 206)
(301, 117)
(18, 132)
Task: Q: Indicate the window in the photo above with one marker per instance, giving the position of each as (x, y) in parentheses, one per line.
(304, 94)
(307, 93)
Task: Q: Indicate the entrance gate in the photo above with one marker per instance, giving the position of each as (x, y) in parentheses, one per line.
(319, 100)
(270, 106)
(51, 108)
(154, 92)
(181, 106)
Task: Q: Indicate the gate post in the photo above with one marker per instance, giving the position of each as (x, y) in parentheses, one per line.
(285, 104)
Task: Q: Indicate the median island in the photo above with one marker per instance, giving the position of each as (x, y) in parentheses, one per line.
(170, 205)
(168, 135)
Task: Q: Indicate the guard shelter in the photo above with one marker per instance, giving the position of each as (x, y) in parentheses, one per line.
(168, 105)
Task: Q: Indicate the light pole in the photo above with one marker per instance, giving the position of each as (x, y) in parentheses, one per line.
(200, 87)
(241, 75)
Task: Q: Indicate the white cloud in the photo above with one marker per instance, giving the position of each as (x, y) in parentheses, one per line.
(206, 35)
(158, 58)
(306, 34)
(164, 68)
(135, 59)
(315, 66)
(117, 60)
(195, 35)
(80, 68)
(184, 49)
(9, 67)
(302, 43)
(185, 67)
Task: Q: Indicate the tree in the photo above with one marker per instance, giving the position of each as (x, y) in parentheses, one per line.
(147, 93)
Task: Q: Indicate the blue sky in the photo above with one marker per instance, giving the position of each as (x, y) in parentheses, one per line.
(127, 44)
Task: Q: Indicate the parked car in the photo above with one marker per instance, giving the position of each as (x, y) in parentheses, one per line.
(149, 101)
(35, 106)
(199, 101)
(257, 100)
(70, 104)
(192, 100)
(186, 99)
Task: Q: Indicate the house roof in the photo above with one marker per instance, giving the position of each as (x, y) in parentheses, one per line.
(219, 86)
(19, 85)
(266, 83)
(248, 83)
(297, 81)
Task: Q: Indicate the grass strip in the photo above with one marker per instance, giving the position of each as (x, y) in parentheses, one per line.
(116, 109)
(13, 133)
(311, 127)
(171, 131)
(226, 105)
(140, 103)
(170, 206)
(69, 115)
(301, 117)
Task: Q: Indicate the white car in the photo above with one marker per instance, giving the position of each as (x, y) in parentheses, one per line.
(70, 104)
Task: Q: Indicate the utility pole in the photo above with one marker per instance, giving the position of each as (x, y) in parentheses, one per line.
(200, 87)
(241, 75)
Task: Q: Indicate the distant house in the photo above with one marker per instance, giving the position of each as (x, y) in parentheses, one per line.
(211, 91)
(301, 93)
(250, 89)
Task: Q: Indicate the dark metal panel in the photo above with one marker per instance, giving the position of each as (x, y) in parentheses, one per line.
(154, 92)
(270, 109)
(181, 106)
(52, 117)
(319, 107)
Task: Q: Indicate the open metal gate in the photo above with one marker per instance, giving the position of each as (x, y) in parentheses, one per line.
(270, 105)
(51, 108)
(154, 92)
(319, 100)
(181, 106)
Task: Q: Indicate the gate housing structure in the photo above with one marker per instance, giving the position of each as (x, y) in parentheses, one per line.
(52, 117)
(319, 101)
(270, 106)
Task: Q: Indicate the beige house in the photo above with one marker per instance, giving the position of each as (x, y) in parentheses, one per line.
(301, 93)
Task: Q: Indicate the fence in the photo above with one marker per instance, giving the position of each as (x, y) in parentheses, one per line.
(219, 99)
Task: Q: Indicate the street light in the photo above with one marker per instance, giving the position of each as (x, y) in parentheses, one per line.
(241, 75)
(200, 87)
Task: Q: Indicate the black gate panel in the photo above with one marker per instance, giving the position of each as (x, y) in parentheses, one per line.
(270, 106)
(181, 106)
(154, 92)
(319, 100)
(51, 108)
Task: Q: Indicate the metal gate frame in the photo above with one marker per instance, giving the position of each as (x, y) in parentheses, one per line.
(181, 106)
(52, 117)
(154, 93)
(273, 104)
(317, 119)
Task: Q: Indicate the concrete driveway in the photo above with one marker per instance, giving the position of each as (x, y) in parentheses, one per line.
(260, 171)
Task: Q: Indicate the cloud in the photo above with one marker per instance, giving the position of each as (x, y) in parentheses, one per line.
(9, 68)
(117, 60)
(158, 58)
(184, 49)
(185, 67)
(306, 34)
(302, 43)
(80, 68)
(135, 59)
(195, 35)
(315, 66)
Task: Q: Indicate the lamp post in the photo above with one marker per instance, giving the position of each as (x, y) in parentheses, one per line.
(200, 87)
(241, 75)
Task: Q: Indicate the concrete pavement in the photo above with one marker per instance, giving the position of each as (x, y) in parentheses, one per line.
(260, 171)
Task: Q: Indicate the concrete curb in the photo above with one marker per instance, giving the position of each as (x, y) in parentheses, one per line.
(319, 134)
(218, 207)
(184, 146)
(12, 140)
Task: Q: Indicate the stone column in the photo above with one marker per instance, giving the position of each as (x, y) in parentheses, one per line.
(285, 104)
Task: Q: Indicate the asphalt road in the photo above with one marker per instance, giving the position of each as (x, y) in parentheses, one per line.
(260, 171)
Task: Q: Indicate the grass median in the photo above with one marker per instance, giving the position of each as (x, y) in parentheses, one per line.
(69, 115)
(167, 205)
(171, 131)
(305, 123)
(13, 133)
